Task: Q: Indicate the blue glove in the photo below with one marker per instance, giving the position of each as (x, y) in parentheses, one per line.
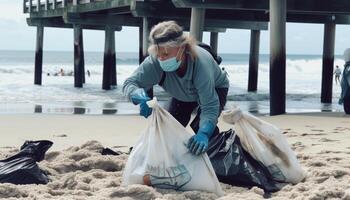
(198, 143)
(139, 96)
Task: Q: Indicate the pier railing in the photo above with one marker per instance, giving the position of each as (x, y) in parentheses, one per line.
(58, 8)
(30, 6)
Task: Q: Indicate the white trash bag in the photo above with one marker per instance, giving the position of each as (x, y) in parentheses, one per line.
(161, 159)
(267, 144)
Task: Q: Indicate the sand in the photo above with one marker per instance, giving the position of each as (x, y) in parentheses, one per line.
(321, 142)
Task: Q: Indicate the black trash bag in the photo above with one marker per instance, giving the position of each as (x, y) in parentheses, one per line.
(108, 151)
(234, 166)
(21, 168)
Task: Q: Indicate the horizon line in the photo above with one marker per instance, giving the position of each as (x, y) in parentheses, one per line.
(135, 52)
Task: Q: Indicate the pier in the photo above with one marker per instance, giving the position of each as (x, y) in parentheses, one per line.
(196, 16)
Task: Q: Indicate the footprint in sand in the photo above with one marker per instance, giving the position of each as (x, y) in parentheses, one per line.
(327, 140)
(61, 135)
(328, 151)
(7, 147)
(322, 179)
(334, 158)
(317, 164)
(297, 146)
(292, 136)
(319, 130)
(119, 146)
(310, 126)
(341, 129)
(286, 130)
(312, 134)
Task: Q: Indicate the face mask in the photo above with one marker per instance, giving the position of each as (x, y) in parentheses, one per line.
(170, 64)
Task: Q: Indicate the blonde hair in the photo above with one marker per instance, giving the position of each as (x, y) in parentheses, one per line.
(165, 29)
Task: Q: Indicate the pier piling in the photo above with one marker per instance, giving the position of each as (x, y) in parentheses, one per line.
(214, 37)
(109, 61)
(39, 55)
(278, 13)
(328, 62)
(253, 61)
(78, 57)
(197, 23)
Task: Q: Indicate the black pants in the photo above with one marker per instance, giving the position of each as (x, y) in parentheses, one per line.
(182, 111)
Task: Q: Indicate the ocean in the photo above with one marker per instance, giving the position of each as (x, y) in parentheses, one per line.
(57, 94)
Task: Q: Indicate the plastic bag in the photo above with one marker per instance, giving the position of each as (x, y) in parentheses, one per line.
(267, 144)
(22, 168)
(161, 159)
(233, 165)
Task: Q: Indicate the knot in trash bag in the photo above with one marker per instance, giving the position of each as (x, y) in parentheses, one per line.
(232, 116)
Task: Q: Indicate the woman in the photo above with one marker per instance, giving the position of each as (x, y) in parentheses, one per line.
(189, 74)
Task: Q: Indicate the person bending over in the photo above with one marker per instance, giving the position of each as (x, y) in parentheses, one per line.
(189, 74)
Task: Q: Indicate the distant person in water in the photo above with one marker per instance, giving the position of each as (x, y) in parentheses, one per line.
(88, 73)
(61, 72)
(337, 73)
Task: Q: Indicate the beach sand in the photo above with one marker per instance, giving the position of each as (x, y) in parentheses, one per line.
(78, 171)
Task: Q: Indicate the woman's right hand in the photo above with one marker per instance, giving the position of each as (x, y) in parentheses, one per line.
(139, 96)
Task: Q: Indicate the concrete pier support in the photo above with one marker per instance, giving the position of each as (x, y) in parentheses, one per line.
(113, 61)
(254, 61)
(197, 23)
(278, 14)
(145, 45)
(145, 35)
(328, 62)
(39, 55)
(140, 45)
(214, 37)
(78, 57)
(109, 61)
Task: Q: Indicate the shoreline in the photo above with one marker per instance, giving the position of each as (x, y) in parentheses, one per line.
(123, 108)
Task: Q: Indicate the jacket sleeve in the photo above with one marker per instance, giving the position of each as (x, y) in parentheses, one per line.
(145, 76)
(208, 98)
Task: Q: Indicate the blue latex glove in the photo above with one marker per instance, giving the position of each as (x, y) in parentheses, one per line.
(198, 143)
(139, 96)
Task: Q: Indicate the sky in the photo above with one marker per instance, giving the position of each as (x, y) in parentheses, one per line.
(15, 34)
